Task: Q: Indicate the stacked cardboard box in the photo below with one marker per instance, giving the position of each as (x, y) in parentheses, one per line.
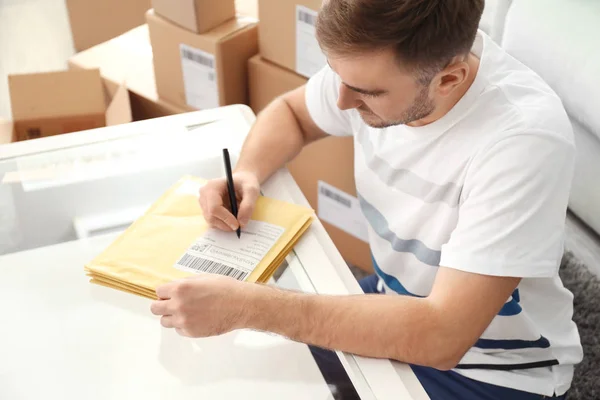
(202, 53)
(287, 35)
(127, 60)
(201, 50)
(47, 104)
(95, 22)
(198, 16)
(289, 55)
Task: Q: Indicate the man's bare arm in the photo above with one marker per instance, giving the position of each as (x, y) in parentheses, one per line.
(435, 331)
(280, 132)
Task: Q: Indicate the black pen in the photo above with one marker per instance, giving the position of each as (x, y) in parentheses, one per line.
(231, 189)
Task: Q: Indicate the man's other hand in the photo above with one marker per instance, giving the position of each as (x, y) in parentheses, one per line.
(204, 306)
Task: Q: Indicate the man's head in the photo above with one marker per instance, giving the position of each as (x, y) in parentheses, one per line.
(398, 59)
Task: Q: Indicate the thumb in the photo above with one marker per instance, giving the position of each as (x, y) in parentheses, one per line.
(250, 194)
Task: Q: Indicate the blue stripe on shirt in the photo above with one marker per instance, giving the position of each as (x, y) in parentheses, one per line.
(516, 296)
(391, 281)
(512, 307)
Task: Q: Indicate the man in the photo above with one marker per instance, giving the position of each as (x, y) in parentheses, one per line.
(464, 159)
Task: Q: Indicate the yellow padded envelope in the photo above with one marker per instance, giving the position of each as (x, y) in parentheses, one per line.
(144, 256)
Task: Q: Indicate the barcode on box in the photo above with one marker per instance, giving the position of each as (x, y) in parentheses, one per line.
(335, 197)
(198, 58)
(203, 265)
(307, 18)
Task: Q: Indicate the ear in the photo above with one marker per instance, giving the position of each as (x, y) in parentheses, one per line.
(451, 77)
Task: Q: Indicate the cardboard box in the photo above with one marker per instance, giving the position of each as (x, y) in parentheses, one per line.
(287, 35)
(149, 106)
(127, 60)
(52, 103)
(329, 160)
(267, 81)
(195, 15)
(94, 21)
(247, 7)
(202, 70)
(6, 131)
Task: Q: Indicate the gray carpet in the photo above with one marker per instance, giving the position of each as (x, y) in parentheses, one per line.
(585, 286)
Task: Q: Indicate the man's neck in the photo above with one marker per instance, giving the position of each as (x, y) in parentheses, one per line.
(445, 105)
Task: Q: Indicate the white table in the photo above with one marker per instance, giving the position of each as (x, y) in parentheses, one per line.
(63, 338)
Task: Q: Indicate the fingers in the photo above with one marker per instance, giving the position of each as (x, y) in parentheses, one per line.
(215, 213)
(211, 200)
(214, 222)
(218, 213)
(165, 291)
(250, 194)
(227, 217)
(202, 201)
(161, 307)
(167, 321)
(220, 225)
(182, 332)
(213, 206)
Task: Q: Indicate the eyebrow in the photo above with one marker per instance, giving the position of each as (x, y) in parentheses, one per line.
(376, 92)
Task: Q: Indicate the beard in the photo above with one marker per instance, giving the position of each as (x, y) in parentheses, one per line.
(419, 109)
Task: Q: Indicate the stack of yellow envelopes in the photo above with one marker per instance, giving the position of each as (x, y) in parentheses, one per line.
(173, 241)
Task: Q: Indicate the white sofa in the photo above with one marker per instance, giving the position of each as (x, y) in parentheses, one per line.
(494, 15)
(560, 40)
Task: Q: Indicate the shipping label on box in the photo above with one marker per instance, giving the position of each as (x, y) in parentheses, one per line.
(309, 57)
(199, 78)
(341, 210)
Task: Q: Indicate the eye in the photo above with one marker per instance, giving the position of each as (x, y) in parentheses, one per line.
(370, 95)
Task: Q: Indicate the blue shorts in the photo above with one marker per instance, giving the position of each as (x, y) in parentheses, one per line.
(439, 385)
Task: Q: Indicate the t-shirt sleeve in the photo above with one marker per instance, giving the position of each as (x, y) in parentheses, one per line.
(513, 208)
(322, 92)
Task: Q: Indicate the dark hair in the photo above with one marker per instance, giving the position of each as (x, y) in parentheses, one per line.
(425, 34)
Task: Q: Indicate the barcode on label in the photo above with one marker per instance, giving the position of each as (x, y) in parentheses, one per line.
(198, 58)
(211, 267)
(307, 18)
(336, 197)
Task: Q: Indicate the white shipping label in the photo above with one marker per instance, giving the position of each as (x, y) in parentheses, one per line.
(199, 78)
(222, 253)
(309, 57)
(341, 210)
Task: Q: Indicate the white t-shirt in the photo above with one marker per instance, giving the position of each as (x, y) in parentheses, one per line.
(484, 190)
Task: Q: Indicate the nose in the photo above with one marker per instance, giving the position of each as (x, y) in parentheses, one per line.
(347, 99)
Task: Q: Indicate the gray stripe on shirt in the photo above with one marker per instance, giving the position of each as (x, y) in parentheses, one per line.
(414, 246)
(407, 181)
